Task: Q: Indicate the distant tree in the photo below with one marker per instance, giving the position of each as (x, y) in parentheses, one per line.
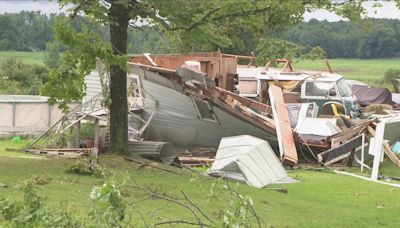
(368, 38)
(52, 55)
(315, 53)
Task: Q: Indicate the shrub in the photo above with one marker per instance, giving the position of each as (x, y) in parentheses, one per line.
(83, 167)
(30, 212)
(391, 74)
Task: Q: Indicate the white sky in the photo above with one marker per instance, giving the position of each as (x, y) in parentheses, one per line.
(389, 9)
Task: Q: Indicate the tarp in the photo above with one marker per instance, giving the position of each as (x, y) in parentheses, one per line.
(250, 159)
(372, 95)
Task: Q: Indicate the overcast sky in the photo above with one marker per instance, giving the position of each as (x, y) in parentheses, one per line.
(389, 9)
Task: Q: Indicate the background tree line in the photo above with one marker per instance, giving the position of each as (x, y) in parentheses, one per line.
(372, 38)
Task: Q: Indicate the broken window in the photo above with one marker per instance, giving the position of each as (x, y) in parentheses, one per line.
(204, 110)
(320, 89)
(248, 87)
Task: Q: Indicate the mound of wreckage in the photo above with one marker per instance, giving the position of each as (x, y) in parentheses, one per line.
(183, 107)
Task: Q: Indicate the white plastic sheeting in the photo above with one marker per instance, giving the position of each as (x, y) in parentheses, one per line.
(250, 159)
(317, 126)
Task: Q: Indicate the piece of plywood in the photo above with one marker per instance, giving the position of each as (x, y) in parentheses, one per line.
(284, 132)
(339, 153)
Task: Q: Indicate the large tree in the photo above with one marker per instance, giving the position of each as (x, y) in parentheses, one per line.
(196, 25)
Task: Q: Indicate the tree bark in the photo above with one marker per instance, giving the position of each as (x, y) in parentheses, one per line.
(118, 16)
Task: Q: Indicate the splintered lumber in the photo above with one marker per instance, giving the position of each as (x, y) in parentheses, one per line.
(196, 161)
(341, 152)
(390, 154)
(65, 153)
(284, 131)
(371, 131)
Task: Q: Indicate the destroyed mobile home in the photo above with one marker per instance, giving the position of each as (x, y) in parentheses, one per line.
(194, 101)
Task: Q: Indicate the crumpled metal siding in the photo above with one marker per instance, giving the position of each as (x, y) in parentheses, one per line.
(177, 120)
(248, 158)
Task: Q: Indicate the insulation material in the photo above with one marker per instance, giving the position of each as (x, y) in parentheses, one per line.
(250, 159)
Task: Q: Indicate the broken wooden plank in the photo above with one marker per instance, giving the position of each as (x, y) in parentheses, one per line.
(284, 131)
(371, 131)
(12, 149)
(258, 106)
(343, 151)
(49, 153)
(196, 160)
(390, 154)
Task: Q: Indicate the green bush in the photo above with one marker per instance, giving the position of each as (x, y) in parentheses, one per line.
(83, 167)
(391, 74)
(31, 212)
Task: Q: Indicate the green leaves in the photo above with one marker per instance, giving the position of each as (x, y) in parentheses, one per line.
(109, 207)
(19, 78)
(86, 46)
(273, 48)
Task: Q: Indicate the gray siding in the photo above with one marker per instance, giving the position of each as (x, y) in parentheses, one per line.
(93, 85)
(178, 121)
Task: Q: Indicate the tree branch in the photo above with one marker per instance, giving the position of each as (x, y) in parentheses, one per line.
(243, 13)
(198, 209)
(150, 193)
(178, 222)
(252, 210)
(187, 27)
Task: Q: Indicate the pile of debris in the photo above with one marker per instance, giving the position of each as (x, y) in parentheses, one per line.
(194, 101)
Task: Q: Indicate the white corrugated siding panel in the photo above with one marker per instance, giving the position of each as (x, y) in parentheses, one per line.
(250, 156)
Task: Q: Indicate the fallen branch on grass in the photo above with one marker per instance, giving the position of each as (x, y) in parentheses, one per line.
(149, 164)
(177, 201)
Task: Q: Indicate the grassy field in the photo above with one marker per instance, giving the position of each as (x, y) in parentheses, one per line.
(320, 198)
(370, 71)
(25, 57)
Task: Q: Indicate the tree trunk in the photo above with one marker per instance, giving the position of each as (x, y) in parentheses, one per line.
(118, 15)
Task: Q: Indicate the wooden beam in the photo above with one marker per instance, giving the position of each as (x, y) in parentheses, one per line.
(238, 56)
(390, 154)
(284, 131)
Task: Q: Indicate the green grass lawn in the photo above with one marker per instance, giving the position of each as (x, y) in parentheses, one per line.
(25, 57)
(320, 199)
